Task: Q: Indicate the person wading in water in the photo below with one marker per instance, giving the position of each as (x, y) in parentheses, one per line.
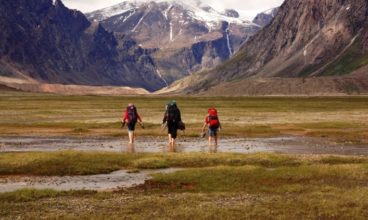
(213, 122)
(131, 117)
(172, 118)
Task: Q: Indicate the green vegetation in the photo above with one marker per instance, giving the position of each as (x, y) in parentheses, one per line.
(27, 195)
(352, 59)
(214, 186)
(47, 114)
(85, 163)
(211, 186)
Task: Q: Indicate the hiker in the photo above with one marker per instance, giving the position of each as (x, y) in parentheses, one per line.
(131, 118)
(213, 123)
(172, 119)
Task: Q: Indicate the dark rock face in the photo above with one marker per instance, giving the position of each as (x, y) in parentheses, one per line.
(174, 32)
(45, 41)
(264, 18)
(200, 56)
(231, 13)
(305, 39)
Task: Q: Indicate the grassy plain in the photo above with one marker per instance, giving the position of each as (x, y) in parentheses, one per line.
(212, 186)
(343, 118)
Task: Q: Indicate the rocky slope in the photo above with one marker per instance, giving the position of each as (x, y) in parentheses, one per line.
(43, 41)
(183, 36)
(306, 39)
(264, 18)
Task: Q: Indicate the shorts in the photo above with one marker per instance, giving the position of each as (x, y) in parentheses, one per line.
(131, 126)
(212, 132)
(173, 130)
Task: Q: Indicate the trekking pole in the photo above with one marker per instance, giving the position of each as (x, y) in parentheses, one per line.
(163, 126)
(122, 124)
(142, 125)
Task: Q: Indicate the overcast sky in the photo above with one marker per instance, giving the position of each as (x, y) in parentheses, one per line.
(248, 7)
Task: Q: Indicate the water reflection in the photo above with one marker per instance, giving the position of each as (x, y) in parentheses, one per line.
(212, 148)
(131, 148)
(172, 148)
(167, 148)
(128, 147)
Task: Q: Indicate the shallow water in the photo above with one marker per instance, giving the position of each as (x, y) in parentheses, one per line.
(291, 145)
(101, 182)
(123, 179)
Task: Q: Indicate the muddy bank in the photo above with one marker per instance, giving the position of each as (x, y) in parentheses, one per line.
(113, 181)
(291, 145)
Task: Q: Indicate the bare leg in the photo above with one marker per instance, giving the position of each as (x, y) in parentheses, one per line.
(170, 143)
(173, 145)
(170, 139)
(209, 143)
(214, 147)
(131, 137)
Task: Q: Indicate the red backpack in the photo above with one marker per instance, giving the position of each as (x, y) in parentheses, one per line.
(214, 122)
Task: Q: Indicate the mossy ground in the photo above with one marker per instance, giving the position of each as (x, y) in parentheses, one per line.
(212, 186)
(343, 118)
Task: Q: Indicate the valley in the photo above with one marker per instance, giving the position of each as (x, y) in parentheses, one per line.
(290, 87)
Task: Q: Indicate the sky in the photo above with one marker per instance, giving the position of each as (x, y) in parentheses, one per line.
(249, 8)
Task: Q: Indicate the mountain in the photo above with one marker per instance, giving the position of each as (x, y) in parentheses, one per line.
(42, 41)
(183, 36)
(321, 41)
(264, 18)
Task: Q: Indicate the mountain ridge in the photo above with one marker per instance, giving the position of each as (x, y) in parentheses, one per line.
(44, 41)
(185, 38)
(302, 41)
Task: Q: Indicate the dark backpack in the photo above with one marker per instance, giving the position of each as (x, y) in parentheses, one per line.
(132, 114)
(213, 119)
(173, 113)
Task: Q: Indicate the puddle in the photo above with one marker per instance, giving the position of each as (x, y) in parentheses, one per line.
(123, 179)
(101, 182)
(292, 145)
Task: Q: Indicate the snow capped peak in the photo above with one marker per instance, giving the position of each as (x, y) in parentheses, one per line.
(196, 8)
(115, 10)
(271, 11)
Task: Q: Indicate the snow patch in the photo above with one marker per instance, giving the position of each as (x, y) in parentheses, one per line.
(195, 8)
(166, 12)
(171, 31)
(160, 75)
(269, 11)
(139, 22)
(130, 15)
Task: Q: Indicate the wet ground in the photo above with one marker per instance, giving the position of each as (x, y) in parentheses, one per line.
(123, 179)
(102, 182)
(290, 145)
